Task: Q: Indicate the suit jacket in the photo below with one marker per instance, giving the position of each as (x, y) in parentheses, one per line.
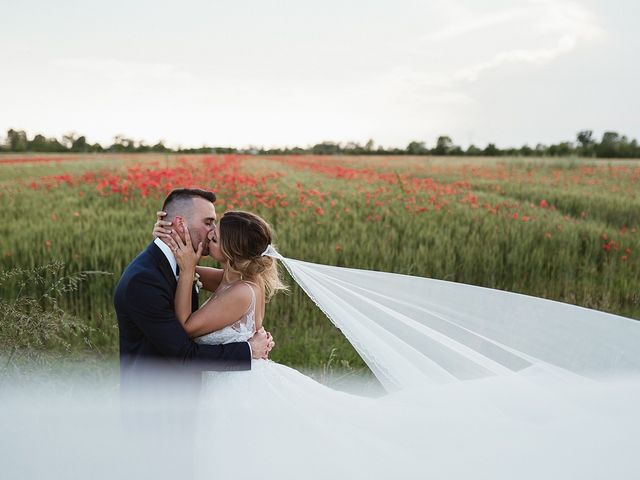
(151, 337)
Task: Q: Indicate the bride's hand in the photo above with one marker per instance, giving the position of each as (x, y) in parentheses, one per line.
(158, 227)
(186, 257)
(270, 345)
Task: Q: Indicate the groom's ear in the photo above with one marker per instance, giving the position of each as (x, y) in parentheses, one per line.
(177, 222)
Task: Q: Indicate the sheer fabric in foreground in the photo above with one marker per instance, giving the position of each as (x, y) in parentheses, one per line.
(413, 331)
(482, 384)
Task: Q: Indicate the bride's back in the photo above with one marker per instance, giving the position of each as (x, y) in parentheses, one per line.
(243, 328)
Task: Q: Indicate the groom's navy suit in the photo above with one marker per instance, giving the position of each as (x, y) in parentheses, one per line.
(160, 366)
(150, 334)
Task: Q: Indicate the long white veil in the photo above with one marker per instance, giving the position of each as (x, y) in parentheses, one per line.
(413, 331)
(483, 384)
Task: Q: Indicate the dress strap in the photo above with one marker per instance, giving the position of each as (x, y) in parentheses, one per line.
(253, 293)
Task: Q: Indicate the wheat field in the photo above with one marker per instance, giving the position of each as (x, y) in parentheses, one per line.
(563, 229)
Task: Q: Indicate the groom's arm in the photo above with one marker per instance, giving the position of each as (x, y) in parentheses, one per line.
(150, 307)
(210, 277)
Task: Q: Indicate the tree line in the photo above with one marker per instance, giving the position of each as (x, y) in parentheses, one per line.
(611, 145)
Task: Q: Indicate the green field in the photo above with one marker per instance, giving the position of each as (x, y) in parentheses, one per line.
(567, 230)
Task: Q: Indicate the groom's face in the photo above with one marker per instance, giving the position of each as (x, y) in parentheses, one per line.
(201, 221)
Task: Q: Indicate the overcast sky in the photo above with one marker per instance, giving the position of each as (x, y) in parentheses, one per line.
(295, 72)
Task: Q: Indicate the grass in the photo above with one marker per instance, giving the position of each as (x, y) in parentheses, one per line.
(567, 230)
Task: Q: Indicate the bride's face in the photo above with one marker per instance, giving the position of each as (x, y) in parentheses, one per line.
(215, 251)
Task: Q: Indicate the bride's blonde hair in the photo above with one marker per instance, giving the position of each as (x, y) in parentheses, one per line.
(243, 238)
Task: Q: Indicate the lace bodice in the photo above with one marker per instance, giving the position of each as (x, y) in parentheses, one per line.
(240, 331)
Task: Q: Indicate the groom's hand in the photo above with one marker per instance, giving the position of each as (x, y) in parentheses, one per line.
(261, 343)
(159, 229)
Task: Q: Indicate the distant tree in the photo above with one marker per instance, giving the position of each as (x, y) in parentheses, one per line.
(369, 145)
(39, 144)
(354, 148)
(143, 147)
(526, 151)
(326, 148)
(417, 148)
(80, 144)
(609, 146)
(456, 150)
(225, 150)
(560, 150)
(68, 139)
(626, 149)
(612, 145)
(491, 150)
(472, 150)
(96, 147)
(56, 146)
(122, 144)
(159, 147)
(297, 151)
(17, 140)
(444, 145)
(632, 150)
(585, 139)
(566, 148)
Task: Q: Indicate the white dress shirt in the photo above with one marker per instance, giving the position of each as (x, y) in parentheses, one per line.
(169, 254)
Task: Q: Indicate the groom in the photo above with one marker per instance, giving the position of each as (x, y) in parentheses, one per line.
(151, 338)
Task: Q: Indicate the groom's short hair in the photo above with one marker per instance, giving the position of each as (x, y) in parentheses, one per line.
(178, 198)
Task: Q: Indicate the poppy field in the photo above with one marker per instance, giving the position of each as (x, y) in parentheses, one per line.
(563, 229)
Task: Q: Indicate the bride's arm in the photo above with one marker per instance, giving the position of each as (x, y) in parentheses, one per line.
(218, 312)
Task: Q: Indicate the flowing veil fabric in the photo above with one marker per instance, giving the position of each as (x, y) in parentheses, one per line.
(414, 331)
(482, 384)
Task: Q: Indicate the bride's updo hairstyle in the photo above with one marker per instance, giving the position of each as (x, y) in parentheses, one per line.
(243, 238)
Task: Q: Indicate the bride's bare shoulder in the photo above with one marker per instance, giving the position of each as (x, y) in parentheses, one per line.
(236, 294)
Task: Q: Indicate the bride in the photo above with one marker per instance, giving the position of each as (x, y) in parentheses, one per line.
(474, 390)
(280, 407)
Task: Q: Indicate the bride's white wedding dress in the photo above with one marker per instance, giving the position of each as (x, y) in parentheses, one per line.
(275, 422)
(481, 384)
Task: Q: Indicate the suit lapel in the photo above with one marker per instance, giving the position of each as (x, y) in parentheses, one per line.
(165, 268)
(194, 299)
(163, 264)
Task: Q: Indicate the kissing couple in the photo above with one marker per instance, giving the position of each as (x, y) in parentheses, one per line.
(156, 299)
(468, 370)
(219, 351)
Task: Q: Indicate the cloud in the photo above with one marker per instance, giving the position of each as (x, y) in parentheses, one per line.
(559, 25)
(467, 22)
(121, 71)
(532, 55)
(534, 31)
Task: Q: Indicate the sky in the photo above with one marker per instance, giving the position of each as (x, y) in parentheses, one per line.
(295, 72)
